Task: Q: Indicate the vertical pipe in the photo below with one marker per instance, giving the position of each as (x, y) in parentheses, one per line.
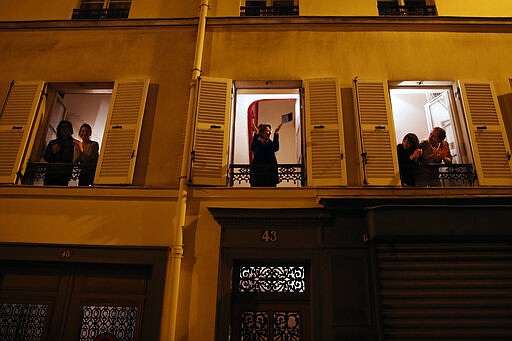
(174, 263)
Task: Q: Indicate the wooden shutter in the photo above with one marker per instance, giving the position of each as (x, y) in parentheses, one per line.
(210, 156)
(118, 154)
(16, 125)
(324, 133)
(377, 133)
(491, 147)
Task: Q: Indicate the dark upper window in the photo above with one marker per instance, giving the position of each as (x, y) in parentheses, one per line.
(407, 7)
(261, 8)
(102, 9)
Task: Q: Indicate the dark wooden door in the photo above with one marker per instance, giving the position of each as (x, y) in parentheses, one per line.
(56, 301)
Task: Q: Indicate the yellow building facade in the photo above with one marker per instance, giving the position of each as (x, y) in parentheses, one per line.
(172, 235)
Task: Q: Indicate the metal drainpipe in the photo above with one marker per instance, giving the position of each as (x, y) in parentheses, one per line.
(174, 266)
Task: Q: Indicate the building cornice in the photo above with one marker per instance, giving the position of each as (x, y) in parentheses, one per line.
(98, 24)
(301, 23)
(405, 24)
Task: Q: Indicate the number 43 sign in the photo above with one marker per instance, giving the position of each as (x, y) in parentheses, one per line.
(269, 236)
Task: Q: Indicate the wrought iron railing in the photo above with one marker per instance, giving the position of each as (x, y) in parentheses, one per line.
(431, 175)
(268, 11)
(35, 172)
(95, 13)
(441, 175)
(290, 173)
(386, 8)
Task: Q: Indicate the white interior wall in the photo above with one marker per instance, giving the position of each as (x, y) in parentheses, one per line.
(287, 133)
(409, 114)
(271, 112)
(88, 108)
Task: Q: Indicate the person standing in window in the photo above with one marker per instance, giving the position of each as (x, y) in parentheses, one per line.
(87, 156)
(264, 171)
(59, 154)
(408, 154)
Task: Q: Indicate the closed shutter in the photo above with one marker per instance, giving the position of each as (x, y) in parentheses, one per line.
(16, 125)
(491, 147)
(118, 154)
(210, 156)
(380, 164)
(445, 291)
(325, 146)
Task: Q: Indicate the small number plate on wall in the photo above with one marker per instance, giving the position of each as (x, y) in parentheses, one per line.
(269, 236)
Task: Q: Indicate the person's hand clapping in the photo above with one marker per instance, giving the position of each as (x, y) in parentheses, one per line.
(79, 145)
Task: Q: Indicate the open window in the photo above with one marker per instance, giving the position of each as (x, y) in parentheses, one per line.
(311, 136)
(273, 106)
(468, 112)
(33, 110)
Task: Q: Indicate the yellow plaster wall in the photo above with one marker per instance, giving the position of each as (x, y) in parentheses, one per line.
(338, 8)
(231, 8)
(62, 10)
(164, 56)
(251, 54)
(470, 8)
(474, 8)
(27, 10)
(164, 9)
(77, 219)
(37, 10)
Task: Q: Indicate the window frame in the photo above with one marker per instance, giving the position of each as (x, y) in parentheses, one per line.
(263, 8)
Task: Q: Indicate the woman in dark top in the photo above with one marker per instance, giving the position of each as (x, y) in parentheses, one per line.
(408, 154)
(264, 163)
(60, 152)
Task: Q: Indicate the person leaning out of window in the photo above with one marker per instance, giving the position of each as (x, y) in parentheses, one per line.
(435, 151)
(408, 153)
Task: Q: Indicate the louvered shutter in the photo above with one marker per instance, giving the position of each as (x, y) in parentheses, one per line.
(118, 154)
(16, 125)
(209, 166)
(324, 133)
(491, 147)
(377, 133)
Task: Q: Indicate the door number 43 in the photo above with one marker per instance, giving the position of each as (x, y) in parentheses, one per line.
(269, 236)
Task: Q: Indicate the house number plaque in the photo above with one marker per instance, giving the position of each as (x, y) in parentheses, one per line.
(269, 236)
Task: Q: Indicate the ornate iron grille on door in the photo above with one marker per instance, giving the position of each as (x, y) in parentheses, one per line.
(266, 300)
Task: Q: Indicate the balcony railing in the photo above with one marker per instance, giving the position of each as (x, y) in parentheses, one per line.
(95, 13)
(36, 171)
(268, 11)
(290, 173)
(435, 175)
(430, 176)
(409, 10)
